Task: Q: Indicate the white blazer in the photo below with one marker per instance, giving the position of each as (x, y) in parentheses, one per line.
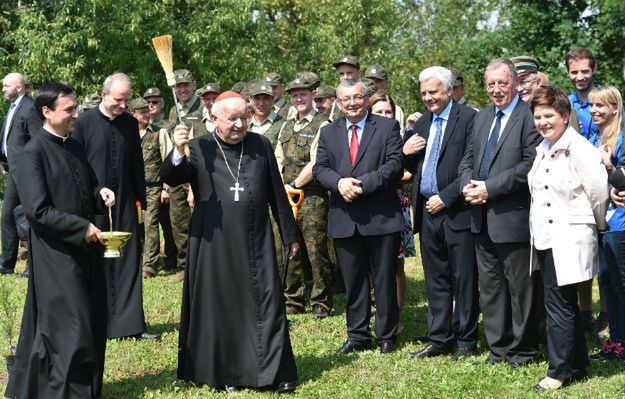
(578, 192)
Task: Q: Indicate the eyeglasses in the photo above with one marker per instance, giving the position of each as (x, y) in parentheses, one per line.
(527, 83)
(154, 102)
(357, 98)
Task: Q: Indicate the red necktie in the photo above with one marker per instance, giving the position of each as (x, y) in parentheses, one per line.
(353, 145)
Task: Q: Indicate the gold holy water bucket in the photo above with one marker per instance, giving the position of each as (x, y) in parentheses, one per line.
(114, 241)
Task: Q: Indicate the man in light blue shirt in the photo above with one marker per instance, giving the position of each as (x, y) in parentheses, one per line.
(581, 67)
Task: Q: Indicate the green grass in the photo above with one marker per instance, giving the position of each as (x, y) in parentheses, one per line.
(148, 369)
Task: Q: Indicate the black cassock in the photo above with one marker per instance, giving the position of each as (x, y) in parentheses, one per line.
(233, 327)
(60, 353)
(113, 149)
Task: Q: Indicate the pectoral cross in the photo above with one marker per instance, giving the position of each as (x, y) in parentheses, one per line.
(236, 190)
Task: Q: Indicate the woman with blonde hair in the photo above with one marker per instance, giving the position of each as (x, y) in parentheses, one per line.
(606, 109)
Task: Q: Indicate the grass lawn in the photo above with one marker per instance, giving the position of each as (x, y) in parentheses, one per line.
(148, 369)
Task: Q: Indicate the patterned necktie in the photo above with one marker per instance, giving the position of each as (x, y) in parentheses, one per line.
(353, 145)
(429, 185)
(491, 146)
(4, 128)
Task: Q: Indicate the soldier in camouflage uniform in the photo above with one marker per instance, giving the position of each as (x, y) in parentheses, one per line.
(180, 212)
(265, 120)
(153, 185)
(378, 74)
(156, 104)
(280, 106)
(295, 153)
(324, 98)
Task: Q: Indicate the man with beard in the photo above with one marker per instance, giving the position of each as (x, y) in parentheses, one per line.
(581, 67)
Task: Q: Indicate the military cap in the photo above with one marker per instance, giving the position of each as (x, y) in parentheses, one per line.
(311, 78)
(525, 64)
(238, 87)
(209, 88)
(376, 72)
(456, 77)
(325, 92)
(183, 76)
(349, 60)
(369, 85)
(299, 83)
(137, 103)
(152, 92)
(91, 101)
(258, 88)
(27, 80)
(273, 79)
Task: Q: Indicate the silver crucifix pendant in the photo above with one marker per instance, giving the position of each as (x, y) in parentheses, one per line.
(236, 190)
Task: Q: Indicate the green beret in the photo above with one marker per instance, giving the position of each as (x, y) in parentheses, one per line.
(152, 92)
(137, 103)
(258, 88)
(325, 91)
(456, 77)
(298, 84)
(273, 79)
(183, 76)
(525, 64)
(349, 60)
(376, 72)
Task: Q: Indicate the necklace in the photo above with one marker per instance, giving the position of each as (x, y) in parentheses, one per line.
(236, 187)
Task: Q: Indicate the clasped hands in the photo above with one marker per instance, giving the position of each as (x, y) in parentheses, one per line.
(93, 234)
(349, 188)
(475, 192)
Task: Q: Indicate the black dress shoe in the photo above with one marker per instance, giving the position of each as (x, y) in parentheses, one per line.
(422, 338)
(146, 335)
(349, 347)
(517, 365)
(23, 275)
(319, 312)
(428, 351)
(464, 353)
(493, 359)
(387, 347)
(286, 387)
(5, 270)
(231, 388)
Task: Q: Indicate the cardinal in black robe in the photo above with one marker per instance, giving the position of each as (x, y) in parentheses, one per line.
(111, 141)
(60, 351)
(233, 328)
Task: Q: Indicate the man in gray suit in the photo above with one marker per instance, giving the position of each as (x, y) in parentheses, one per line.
(20, 124)
(494, 180)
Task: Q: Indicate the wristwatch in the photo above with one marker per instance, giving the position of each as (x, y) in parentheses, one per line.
(292, 184)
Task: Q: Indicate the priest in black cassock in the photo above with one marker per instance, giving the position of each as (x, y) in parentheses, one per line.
(110, 137)
(60, 353)
(233, 327)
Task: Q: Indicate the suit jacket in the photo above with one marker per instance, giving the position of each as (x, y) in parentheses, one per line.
(578, 198)
(24, 125)
(378, 165)
(456, 138)
(507, 209)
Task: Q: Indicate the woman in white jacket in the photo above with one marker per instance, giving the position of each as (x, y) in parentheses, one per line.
(569, 201)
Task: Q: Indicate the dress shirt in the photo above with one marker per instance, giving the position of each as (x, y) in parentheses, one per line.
(428, 149)
(506, 115)
(360, 127)
(7, 123)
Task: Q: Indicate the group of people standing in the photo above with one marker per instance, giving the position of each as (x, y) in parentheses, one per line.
(511, 201)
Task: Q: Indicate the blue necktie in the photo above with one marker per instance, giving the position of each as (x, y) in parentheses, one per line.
(4, 127)
(429, 185)
(491, 146)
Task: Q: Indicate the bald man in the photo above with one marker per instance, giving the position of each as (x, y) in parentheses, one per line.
(19, 126)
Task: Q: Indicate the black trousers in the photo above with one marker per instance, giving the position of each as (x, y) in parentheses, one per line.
(566, 344)
(10, 239)
(450, 269)
(360, 256)
(507, 298)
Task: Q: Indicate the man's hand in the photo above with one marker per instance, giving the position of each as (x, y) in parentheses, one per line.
(181, 138)
(165, 195)
(191, 198)
(349, 188)
(618, 197)
(412, 120)
(434, 205)
(475, 193)
(292, 249)
(93, 234)
(414, 144)
(108, 196)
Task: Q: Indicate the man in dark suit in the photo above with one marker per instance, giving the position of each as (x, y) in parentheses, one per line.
(20, 124)
(442, 218)
(494, 180)
(359, 162)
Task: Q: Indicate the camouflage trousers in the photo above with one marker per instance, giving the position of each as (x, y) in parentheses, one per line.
(180, 216)
(155, 214)
(313, 223)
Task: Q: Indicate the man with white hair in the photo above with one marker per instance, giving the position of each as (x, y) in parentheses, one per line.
(442, 217)
(110, 137)
(233, 328)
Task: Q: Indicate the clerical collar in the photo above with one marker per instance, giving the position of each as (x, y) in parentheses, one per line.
(47, 129)
(105, 112)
